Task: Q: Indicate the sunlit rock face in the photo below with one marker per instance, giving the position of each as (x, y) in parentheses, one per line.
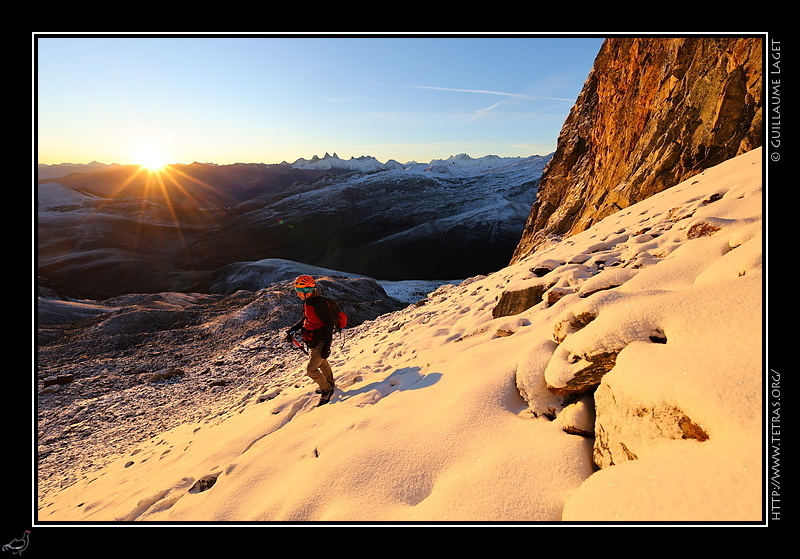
(653, 112)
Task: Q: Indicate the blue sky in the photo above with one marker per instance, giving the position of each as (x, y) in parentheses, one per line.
(262, 99)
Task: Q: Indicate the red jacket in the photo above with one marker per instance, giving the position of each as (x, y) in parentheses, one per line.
(318, 321)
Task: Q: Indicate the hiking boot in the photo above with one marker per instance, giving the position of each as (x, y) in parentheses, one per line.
(325, 397)
(319, 390)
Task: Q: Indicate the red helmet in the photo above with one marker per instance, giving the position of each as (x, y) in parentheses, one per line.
(304, 282)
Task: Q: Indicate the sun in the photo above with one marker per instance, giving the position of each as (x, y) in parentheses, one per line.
(151, 158)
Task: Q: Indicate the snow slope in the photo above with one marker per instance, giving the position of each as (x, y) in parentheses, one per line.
(429, 423)
(52, 195)
(464, 164)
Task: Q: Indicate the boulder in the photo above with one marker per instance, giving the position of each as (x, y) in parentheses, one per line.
(515, 302)
(627, 427)
(58, 380)
(589, 376)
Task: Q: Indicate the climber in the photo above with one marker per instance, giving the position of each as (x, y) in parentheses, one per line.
(317, 326)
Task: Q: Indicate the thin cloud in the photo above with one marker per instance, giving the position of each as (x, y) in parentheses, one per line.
(492, 109)
(336, 99)
(490, 92)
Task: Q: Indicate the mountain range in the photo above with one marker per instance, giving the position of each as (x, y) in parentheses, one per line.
(107, 232)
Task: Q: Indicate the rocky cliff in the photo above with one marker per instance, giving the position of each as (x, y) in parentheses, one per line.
(652, 113)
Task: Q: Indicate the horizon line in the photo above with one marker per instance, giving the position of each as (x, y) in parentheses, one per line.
(328, 154)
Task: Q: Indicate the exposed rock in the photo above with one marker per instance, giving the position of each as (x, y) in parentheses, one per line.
(652, 113)
(570, 325)
(588, 377)
(204, 483)
(554, 295)
(626, 427)
(545, 267)
(165, 374)
(58, 379)
(702, 229)
(578, 418)
(515, 302)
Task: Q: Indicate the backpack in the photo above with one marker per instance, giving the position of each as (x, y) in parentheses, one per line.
(338, 314)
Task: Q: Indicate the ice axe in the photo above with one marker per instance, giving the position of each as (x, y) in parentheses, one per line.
(295, 343)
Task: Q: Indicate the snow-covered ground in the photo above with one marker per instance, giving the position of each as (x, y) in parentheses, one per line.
(429, 423)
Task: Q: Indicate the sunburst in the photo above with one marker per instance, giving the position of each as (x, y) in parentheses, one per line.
(151, 158)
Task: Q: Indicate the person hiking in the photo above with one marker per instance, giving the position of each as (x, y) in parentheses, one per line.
(317, 327)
